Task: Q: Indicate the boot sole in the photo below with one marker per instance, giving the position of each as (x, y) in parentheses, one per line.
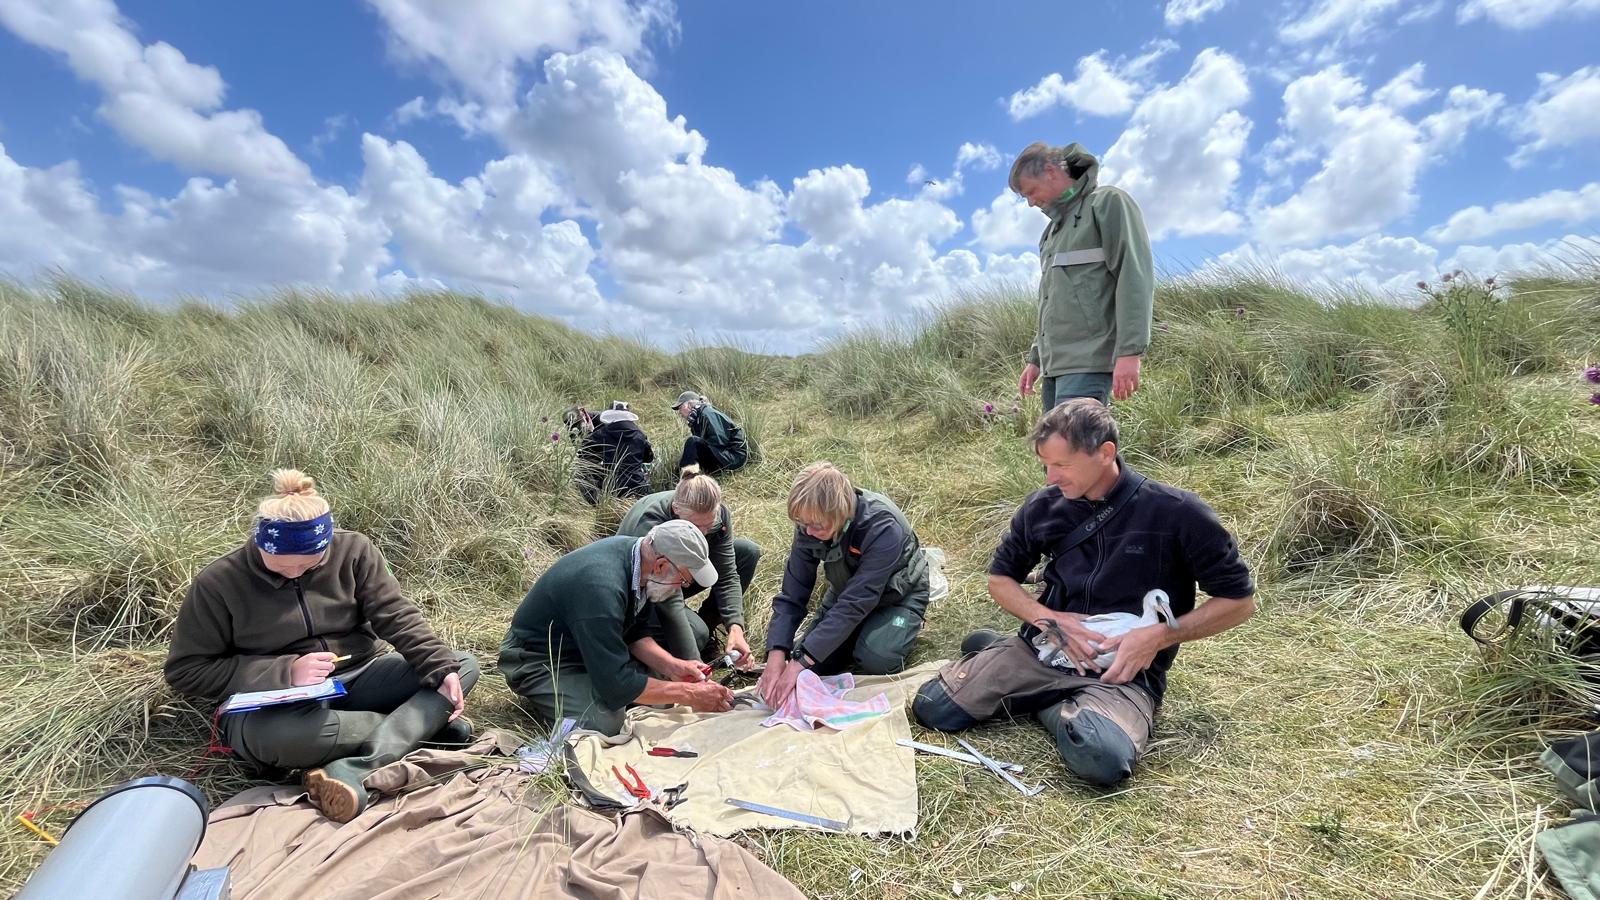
(337, 800)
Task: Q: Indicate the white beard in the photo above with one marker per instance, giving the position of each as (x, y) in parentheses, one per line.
(659, 593)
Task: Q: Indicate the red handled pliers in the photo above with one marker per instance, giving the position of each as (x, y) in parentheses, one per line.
(638, 788)
(671, 751)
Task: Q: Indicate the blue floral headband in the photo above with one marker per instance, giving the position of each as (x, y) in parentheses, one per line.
(306, 538)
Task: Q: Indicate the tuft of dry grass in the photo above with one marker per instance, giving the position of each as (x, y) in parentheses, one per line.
(1346, 742)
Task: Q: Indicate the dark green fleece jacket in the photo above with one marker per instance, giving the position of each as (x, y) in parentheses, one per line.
(242, 626)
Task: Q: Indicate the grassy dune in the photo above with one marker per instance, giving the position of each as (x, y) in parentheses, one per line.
(1381, 466)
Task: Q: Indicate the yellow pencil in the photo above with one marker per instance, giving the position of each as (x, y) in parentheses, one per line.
(28, 824)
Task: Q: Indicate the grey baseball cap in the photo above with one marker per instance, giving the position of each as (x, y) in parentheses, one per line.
(683, 545)
(685, 397)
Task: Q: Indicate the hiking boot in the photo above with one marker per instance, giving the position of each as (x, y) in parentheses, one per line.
(982, 639)
(337, 788)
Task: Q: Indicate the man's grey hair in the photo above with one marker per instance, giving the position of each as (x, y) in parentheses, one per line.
(1083, 422)
(1032, 162)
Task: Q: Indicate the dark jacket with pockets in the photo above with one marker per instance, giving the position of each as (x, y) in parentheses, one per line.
(1164, 538)
(876, 561)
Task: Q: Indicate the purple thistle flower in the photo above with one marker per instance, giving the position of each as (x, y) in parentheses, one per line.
(1592, 374)
(1238, 312)
(988, 409)
(555, 436)
(1447, 278)
(1422, 285)
(1595, 399)
(1489, 282)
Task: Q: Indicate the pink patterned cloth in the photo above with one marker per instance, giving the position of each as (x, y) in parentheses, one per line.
(818, 701)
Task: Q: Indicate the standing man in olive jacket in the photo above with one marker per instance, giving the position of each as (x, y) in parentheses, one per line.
(1096, 279)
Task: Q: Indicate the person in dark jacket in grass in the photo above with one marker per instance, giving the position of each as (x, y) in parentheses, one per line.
(615, 457)
(698, 500)
(302, 601)
(877, 576)
(715, 443)
(1144, 535)
(582, 644)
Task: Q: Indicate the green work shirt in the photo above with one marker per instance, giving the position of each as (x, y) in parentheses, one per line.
(583, 611)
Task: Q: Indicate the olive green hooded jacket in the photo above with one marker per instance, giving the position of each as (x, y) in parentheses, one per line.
(1097, 279)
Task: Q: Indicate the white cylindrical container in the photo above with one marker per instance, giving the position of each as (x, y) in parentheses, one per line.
(134, 842)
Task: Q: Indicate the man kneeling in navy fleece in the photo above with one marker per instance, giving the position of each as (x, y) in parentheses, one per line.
(1110, 536)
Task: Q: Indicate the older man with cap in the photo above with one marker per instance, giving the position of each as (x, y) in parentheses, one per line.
(715, 443)
(582, 643)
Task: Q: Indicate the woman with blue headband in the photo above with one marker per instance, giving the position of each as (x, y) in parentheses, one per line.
(299, 602)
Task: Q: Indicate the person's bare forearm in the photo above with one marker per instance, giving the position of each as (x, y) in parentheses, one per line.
(652, 654)
(1012, 597)
(658, 691)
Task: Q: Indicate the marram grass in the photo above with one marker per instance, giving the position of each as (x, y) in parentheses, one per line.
(1381, 465)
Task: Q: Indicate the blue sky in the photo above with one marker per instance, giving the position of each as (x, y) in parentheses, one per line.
(758, 172)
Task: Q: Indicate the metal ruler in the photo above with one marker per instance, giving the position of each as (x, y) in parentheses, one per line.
(994, 767)
(955, 754)
(818, 821)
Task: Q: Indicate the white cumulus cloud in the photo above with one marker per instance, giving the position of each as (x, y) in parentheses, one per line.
(1102, 86)
(1370, 153)
(1560, 114)
(1524, 14)
(1337, 20)
(482, 43)
(1179, 156)
(1377, 262)
(1181, 12)
(1008, 223)
(152, 95)
(1563, 206)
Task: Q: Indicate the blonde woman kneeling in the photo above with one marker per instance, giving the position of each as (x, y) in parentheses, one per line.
(877, 578)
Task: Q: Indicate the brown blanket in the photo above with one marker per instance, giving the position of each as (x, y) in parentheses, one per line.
(469, 825)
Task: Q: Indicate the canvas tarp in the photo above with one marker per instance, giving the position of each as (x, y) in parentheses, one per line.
(858, 776)
(469, 825)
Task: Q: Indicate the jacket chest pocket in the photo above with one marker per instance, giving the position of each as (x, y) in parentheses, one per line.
(1072, 278)
(1139, 557)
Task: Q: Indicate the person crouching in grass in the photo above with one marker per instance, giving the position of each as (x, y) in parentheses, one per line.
(871, 614)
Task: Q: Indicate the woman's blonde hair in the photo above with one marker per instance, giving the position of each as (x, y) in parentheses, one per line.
(697, 493)
(822, 490)
(294, 498)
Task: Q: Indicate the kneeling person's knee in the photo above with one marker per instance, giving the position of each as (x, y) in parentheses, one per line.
(1095, 748)
(934, 709)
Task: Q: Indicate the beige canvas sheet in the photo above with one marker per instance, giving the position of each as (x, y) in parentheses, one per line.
(487, 833)
(858, 776)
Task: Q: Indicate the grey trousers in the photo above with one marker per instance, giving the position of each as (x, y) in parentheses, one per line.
(307, 735)
(1056, 390)
(1100, 729)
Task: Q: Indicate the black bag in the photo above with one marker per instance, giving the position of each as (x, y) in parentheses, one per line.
(1570, 615)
